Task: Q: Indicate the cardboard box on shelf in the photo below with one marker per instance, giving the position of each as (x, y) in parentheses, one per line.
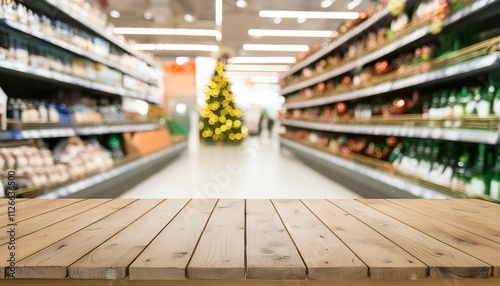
(146, 143)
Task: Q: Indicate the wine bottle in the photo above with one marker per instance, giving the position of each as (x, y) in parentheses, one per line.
(448, 161)
(479, 183)
(485, 104)
(467, 101)
(495, 178)
(434, 110)
(452, 103)
(471, 108)
(445, 109)
(496, 103)
(462, 176)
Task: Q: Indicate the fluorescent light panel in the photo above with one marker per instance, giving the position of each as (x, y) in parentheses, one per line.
(308, 14)
(176, 47)
(249, 73)
(290, 33)
(166, 31)
(262, 60)
(276, 68)
(281, 48)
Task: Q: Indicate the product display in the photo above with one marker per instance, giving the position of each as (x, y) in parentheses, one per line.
(383, 83)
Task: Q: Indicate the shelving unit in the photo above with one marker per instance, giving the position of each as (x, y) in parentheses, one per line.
(113, 179)
(481, 9)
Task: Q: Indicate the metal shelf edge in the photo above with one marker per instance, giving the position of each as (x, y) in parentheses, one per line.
(362, 170)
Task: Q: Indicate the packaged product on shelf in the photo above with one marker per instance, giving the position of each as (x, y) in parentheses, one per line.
(3, 110)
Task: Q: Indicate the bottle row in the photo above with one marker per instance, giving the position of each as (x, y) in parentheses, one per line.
(427, 12)
(472, 169)
(467, 101)
(70, 159)
(43, 24)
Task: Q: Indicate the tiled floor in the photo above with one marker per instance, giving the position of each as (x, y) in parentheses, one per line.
(256, 169)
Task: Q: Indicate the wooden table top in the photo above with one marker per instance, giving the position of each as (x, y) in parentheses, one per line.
(355, 241)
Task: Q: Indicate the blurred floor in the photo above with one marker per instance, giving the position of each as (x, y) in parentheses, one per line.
(258, 168)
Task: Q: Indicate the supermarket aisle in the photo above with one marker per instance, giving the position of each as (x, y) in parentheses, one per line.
(256, 169)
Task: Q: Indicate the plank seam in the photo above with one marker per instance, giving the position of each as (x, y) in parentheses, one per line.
(245, 240)
(291, 237)
(127, 268)
(199, 239)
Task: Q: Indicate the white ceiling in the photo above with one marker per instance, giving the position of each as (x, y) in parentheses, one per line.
(235, 25)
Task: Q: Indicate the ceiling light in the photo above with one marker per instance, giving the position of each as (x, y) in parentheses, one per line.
(277, 20)
(181, 60)
(326, 3)
(276, 68)
(189, 18)
(353, 4)
(290, 33)
(166, 31)
(262, 60)
(218, 12)
(148, 16)
(284, 48)
(114, 14)
(176, 47)
(241, 3)
(301, 20)
(308, 14)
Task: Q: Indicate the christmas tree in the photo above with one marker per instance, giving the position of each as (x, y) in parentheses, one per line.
(220, 117)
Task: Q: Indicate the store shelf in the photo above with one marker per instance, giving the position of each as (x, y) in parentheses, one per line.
(76, 131)
(337, 43)
(455, 72)
(113, 176)
(363, 172)
(47, 75)
(54, 11)
(71, 48)
(461, 135)
(392, 47)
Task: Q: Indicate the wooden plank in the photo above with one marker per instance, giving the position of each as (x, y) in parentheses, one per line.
(271, 253)
(220, 253)
(168, 255)
(474, 245)
(53, 261)
(460, 220)
(443, 260)
(5, 201)
(44, 220)
(325, 256)
(41, 239)
(24, 204)
(248, 282)
(36, 210)
(481, 204)
(385, 259)
(475, 209)
(111, 259)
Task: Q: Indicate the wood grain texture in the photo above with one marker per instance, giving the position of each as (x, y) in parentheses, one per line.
(460, 220)
(44, 220)
(53, 261)
(271, 253)
(22, 205)
(167, 256)
(220, 253)
(325, 256)
(41, 239)
(385, 259)
(474, 245)
(248, 282)
(443, 260)
(471, 210)
(39, 209)
(111, 259)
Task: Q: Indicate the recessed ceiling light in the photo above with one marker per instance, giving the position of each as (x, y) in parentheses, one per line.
(241, 3)
(290, 33)
(114, 14)
(283, 48)
(181, 60)
(176, 47)
(301, 20)
(277, 20)
(308, 14)
(353, 4)
(262, 60)
(189, 18)
(166, 31)
(148, 16)
(326, 3)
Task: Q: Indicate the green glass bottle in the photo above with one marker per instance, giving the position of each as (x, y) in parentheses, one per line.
(468, 102)
(445, 109)
(496, 103)
(480, 181)
(436, 169)
(485, 104)
(449, 162)
(471, 108)
(434, 109)
(495, 178)
(462, 174)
